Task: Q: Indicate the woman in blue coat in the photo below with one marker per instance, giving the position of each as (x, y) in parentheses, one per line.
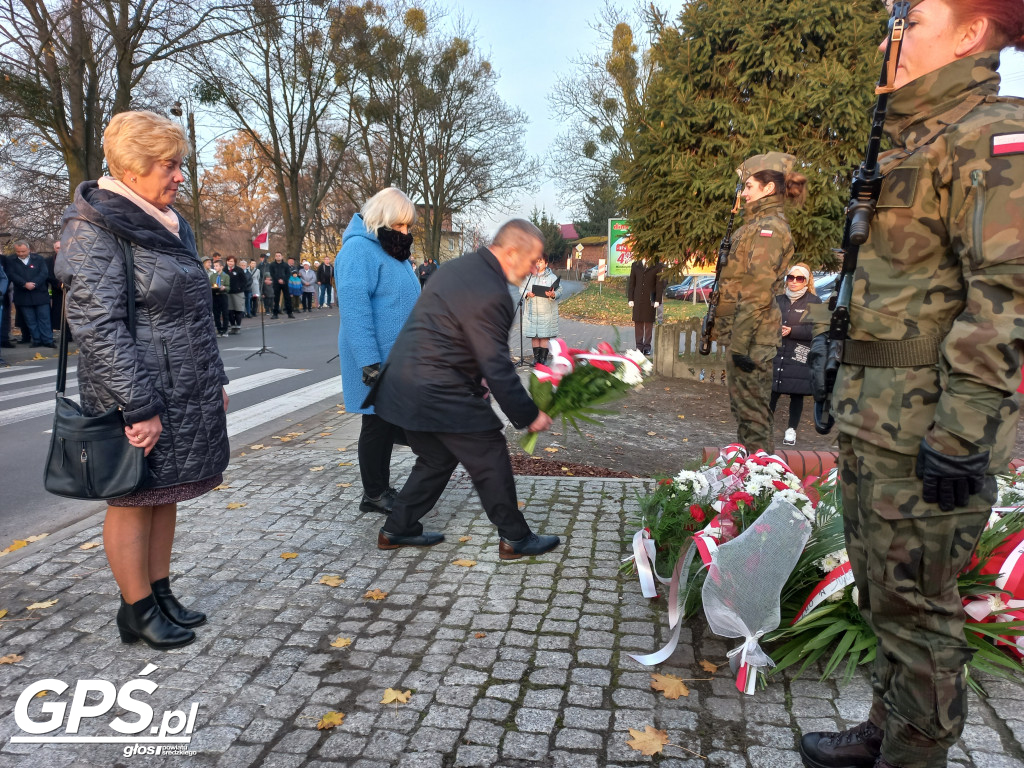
(376, 288)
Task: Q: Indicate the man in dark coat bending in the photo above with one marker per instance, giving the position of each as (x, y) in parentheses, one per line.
(452, 351)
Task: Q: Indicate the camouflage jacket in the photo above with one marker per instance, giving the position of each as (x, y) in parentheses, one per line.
(944, 262)
(762, 252)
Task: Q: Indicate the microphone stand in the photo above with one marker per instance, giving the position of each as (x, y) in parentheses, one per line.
(519, 309)
(264, 350)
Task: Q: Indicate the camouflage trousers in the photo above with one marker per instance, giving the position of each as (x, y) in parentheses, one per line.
(906, 556)
(749, 396)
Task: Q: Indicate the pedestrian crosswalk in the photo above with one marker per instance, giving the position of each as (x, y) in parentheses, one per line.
(30, 395)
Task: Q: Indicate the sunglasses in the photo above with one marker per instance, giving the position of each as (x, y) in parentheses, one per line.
(796, 279)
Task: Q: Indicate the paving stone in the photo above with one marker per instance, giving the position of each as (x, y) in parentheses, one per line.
(535, 720)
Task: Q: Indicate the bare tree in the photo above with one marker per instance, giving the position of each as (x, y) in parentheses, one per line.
(277, 82)
(70, 65)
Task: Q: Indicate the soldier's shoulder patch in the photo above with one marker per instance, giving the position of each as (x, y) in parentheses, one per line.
(767, 232)
(1007, 144)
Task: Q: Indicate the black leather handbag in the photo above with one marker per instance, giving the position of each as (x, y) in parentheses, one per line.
(90, 457)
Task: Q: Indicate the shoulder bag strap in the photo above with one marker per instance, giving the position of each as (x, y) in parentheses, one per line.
(62, 355)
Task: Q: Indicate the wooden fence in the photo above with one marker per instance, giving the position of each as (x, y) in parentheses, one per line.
(676, 353)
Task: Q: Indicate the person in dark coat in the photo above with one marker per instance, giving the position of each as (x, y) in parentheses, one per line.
(28, 272)
(791, 375)
(167, 378)
(4, 283)
(281, 273)
(451, 353)
(56, 288)
(645, 292)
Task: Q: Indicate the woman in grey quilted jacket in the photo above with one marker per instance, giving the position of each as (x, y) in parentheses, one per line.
(166, 377)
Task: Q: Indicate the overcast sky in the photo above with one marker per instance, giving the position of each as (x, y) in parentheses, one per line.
(531, 42)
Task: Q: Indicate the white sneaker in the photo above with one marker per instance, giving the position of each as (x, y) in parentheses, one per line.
(790, 437)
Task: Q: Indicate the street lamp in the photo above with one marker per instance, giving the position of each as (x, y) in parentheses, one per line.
(193, 174)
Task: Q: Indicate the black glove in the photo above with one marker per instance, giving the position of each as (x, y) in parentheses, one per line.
(816, 359)
(744, 363)
(950, 480)
(370, 374)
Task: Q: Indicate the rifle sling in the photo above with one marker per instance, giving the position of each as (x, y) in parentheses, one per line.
(904, 353)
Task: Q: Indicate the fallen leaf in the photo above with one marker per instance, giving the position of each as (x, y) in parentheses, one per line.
(375, 594)
(344, 485)
(40, 694)
(3, 613)
(464, 539)
(37, 537)
(316, 469)
(46, 604)
(651, 434)
(91, 545)
(235, 505)
(522, 505)
(330, 720)
(38, 357)
(344, 463)
(295, 434)
(18, 544)
(707, 666)
(342, 642)
(550, 449)
(289, 555)
(681, 416)
(339, 413)
(257, 447)
(648, 742)
(221, 487)
(285, 439)
(332, 581)
(394, 696)
(464, 563)
(673, 687)
(325, 434)
(478, 635)
(10, 658)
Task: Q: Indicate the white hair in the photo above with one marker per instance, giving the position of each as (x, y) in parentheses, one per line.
(387, 208)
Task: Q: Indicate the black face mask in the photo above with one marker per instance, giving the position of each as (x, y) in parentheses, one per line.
(394, 243)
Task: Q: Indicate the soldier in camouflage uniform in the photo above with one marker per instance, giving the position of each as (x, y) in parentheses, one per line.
(925, 397)
(749, 321)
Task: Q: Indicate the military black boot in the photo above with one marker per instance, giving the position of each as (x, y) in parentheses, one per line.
(145, 621)
(174, 610)
(544, 352)
(859, 747)
(537, 360)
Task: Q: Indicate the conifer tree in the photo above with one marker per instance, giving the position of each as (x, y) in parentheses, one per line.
(734, 78)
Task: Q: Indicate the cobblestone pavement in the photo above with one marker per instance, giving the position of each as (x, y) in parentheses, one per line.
(509, 663)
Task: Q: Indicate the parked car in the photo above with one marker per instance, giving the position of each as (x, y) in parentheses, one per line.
(677, 291)
(825, 284)
(590, 274)
(701, 291)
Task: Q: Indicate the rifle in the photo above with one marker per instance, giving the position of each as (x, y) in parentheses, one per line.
(723, 257)
(864, 191)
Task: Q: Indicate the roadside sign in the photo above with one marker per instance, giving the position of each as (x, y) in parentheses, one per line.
(602, 270)
(620, 247)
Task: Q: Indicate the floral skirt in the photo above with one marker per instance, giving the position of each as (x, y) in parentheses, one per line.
(151, 497)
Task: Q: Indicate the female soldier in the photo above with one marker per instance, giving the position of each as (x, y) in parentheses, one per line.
(540, 311)
(749, 321)
(925, 397)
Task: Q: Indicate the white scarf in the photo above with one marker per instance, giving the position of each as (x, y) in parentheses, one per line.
(167, 217)
(792, 294)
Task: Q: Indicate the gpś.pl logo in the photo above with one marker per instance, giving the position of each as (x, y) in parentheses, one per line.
(171, 736)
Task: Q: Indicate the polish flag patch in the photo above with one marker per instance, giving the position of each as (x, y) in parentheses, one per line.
(1008, 144)
(767, 233)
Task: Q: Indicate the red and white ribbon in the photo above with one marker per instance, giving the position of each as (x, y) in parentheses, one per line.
(839, 578)
(1011, 574)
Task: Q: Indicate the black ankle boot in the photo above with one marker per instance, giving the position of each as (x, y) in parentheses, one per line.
(174, 610)
(145, 621)
(537, 356)
(544, 355)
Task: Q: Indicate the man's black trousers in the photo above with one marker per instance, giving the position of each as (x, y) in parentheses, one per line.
(485, 457)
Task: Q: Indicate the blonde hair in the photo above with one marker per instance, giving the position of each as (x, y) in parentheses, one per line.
(134, 141)
(387, 208)
(810, 275)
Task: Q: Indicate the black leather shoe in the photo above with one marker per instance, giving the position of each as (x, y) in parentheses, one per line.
(174, 610)
(859, 747)
(145, 621)
(531, 545)
(393, 541)
(382, 503)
